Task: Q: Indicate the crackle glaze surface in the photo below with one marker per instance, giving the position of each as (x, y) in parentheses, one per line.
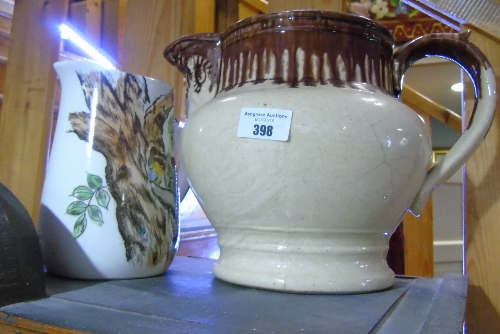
(307, 214)
(314, 214)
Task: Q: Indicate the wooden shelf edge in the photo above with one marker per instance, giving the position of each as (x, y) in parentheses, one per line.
(11, 324)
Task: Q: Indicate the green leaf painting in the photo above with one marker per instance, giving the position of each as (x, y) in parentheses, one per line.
(80, 226)
(76, 208)
(83, 193)
(95, 214)
(94, 181)
(94, 190)
(103, 198)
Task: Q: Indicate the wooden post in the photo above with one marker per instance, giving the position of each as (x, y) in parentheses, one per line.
(425, 106)
(26, 119)
(482, 215)
(418, 242)
(122, 18)
(419, 231)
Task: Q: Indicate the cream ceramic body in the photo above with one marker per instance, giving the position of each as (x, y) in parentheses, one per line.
(310, 213)
(314, 214)
(100, 199)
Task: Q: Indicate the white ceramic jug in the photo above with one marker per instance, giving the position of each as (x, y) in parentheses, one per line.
(109, 202)
(298, 151)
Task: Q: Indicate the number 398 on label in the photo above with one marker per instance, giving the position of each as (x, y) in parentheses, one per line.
(264, 123)
(263, 130)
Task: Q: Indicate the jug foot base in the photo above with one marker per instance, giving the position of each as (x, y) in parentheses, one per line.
(305, 273)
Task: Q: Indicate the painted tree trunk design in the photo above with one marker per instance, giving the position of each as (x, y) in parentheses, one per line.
(130, 136)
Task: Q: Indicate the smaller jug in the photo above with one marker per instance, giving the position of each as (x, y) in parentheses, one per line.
(109, 202)
(298, 151)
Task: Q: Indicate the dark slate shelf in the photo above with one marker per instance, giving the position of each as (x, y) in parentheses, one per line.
(188, 299)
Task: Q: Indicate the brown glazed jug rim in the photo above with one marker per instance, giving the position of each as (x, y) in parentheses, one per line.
(346, 19)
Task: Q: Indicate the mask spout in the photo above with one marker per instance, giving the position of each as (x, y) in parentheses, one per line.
(197, 57)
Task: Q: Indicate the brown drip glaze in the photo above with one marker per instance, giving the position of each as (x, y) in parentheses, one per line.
(326, 36)
(338, 49)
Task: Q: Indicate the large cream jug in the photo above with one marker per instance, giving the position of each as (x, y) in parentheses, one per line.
(298, 151)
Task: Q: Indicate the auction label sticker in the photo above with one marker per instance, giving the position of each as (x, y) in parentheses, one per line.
(264, 123)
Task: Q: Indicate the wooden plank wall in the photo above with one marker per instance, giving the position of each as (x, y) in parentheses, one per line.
(250, 8)
(26, 117)
(227, 13)
(149, 27)
(145, 28)
(93, 24)
(334, 5)
(482, 215)
(152, 25)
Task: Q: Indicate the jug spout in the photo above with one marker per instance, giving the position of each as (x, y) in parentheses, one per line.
(197, 56)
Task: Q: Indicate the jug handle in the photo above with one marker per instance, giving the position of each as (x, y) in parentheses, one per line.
(455, 47)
